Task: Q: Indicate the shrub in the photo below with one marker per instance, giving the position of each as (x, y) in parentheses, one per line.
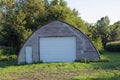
(7, 50)
(4, 58)
(8, 58)
(98, 43)
(12, 57)
(88, 60)
(0, 52)
(113, 46)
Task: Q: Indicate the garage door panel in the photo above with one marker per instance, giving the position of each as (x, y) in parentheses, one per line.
(58, 49)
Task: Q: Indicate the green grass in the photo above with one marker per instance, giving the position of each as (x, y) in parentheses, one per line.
(110, 70)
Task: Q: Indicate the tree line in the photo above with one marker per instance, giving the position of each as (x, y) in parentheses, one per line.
(19, 18)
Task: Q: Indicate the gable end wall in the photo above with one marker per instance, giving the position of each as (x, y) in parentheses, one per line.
(84, 48)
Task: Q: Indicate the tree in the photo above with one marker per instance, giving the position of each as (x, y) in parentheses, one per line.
(35, 13)
(62, 3)
(115, 31)
(15, 30)
(103, 29)
(1, 28)
(91, 32)
(107, 32)
(60, 11)
(6, 7)
(22, 17)
(46, 3)
(54, 2)
(13, 27)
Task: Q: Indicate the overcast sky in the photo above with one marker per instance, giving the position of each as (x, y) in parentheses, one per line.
(93, 10)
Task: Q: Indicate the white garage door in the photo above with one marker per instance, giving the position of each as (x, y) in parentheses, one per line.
(58, 49)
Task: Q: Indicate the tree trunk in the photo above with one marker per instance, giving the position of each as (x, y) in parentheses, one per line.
(104, 42)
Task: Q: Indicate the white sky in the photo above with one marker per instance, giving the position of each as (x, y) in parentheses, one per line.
(93, 10)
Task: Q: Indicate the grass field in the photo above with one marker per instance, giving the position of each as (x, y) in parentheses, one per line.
(110, 70)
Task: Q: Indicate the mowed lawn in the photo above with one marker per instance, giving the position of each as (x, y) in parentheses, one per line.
(104, 70)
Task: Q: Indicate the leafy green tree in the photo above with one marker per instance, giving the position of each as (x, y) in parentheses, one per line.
(13, 27)
(115, 31)
(58, 10)
(106, 31)
(22, 17)
(6, 7)
(103, 29)
(54, 2)
(35, 13)
(91, 32)
(46, 3)
(1, 28)
(75, 19)
(15, 30)
(63, 3)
